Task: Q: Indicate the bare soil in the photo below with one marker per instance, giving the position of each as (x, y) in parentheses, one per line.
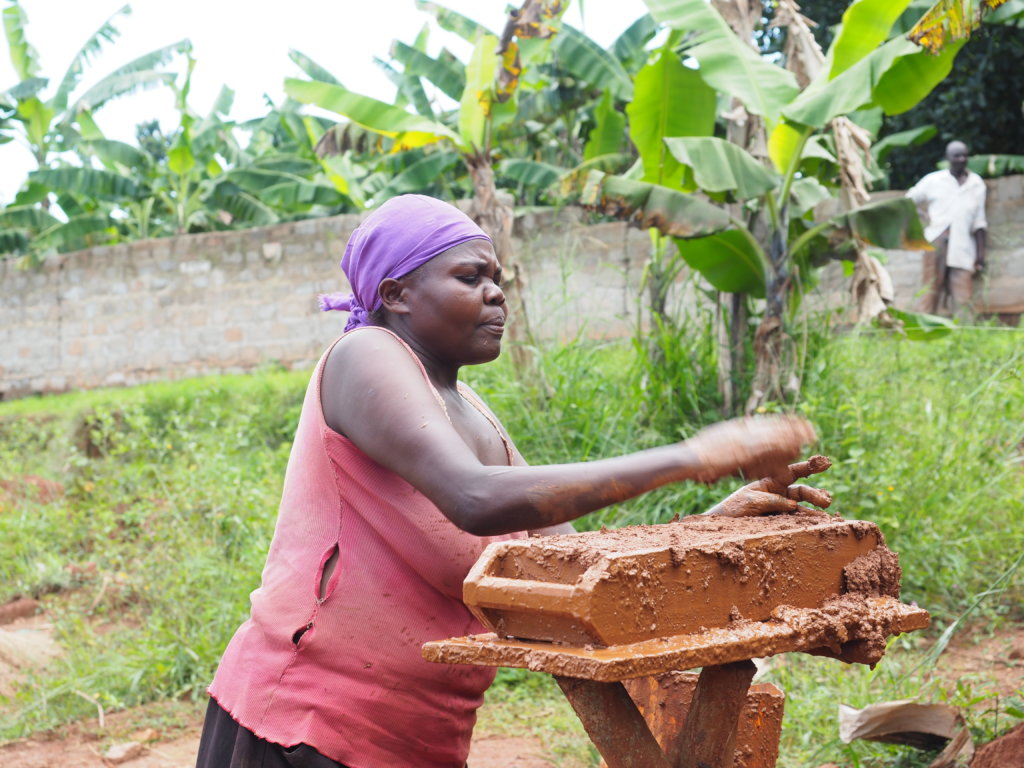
(178, 750)
(86, 745)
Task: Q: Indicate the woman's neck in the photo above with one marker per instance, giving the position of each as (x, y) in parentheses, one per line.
(442, 374)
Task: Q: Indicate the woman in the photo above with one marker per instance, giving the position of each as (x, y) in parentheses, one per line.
(399, 476)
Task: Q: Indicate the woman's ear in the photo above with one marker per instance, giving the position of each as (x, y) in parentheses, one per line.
(392, 295)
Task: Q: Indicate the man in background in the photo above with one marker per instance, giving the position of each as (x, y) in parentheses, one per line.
(953, 201)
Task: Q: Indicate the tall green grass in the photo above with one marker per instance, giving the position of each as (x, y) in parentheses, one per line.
(171, 492)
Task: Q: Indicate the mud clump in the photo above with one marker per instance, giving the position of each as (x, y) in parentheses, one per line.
(876, 573)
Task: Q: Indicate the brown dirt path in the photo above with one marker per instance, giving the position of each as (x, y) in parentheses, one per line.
(82, 747)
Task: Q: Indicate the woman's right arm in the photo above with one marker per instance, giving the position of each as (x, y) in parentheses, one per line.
(374, 393)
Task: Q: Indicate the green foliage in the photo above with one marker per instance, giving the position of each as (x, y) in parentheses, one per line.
(926, 442)
(168, 506)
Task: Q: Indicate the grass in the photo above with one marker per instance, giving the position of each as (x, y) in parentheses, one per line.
(170, 493)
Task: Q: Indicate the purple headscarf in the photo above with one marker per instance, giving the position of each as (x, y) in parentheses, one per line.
(402, 234)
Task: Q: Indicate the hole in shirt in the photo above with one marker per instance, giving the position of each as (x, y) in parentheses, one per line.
(300, 632)
(330, 562)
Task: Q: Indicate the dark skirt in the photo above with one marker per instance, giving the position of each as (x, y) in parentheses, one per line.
(226, 744)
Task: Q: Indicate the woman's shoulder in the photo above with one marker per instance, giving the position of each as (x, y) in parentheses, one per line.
(366, 360)
(371, 351)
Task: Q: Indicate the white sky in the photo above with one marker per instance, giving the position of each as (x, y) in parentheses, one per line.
(244, 44)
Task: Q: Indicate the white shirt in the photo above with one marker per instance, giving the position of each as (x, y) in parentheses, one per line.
(960, 208)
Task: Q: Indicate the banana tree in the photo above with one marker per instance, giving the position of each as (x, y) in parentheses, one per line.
(768, 239)
(49, 126)
(487, 89)
(199, 178)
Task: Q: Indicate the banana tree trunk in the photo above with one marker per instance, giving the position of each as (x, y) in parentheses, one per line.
(731, 322)
(772, 345)
(496, 218)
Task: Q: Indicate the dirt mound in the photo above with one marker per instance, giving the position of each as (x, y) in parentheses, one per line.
(1005, 752)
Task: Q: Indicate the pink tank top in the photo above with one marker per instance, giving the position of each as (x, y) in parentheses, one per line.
(342, 671)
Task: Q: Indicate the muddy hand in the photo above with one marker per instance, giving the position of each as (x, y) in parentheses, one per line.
(759, 446)
(777, 494)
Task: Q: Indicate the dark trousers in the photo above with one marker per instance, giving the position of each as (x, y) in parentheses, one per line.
(226, 744)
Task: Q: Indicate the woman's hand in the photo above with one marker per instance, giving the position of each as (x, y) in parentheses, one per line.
(777, 493)
(760, 446)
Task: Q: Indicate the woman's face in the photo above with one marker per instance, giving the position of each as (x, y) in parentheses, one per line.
(455, 306)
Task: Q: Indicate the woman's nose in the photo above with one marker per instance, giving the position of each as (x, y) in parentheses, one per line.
(494, 294)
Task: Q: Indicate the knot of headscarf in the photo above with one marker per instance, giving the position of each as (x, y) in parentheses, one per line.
(402, 234)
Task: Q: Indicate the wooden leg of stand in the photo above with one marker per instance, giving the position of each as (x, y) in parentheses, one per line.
(614, 724)
(708, 737)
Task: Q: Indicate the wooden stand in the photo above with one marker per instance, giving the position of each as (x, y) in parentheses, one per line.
(592, 681)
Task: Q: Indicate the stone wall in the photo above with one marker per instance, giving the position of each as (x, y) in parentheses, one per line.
(233, 301)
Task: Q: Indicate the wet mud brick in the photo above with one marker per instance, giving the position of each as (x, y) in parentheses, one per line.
(612, 588)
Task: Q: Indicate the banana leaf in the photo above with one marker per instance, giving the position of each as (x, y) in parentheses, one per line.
(453, 22)
(117, 86)
(991, 166)
(890, 223)
(866, 24)
(28, 218)
(311, 68)
(112, 153)
(26, 89)
(13, 241)
(447, 74)
(478, 95)
(71, 235)
(421, 175)
(654, 114)
(531, 172)
(23, 56)
(910, 138)
(630, 48)
(721, 166)
(107, 33)
(727, 63)
(89, 183)
(584, 59)
(672, 212)
(806, 193)
(919, 326)
(244, 207)
(609, 127)
(374, 115)
(895, 76)
(729, 260)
